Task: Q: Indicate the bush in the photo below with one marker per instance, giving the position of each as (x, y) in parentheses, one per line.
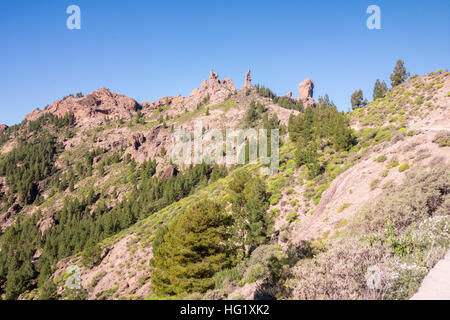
(442, 139)
(381, 158)
(343, 207)
(340, 273)
(392, 164)
(403, 167)
(198, 234)
(403, 235)
(374, 184)
(91, 255)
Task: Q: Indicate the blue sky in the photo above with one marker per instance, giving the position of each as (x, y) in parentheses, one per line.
(150, 49)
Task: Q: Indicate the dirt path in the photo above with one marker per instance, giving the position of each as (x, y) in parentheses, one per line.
(436, 285)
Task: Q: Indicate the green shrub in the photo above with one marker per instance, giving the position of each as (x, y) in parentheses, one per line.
(343, 207)
(374, 184)
(392, 164)
(403, 167)
(291, 216)
(381, 158)
(273, 200)
(442, 139)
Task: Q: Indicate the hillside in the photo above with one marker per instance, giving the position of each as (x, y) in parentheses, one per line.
(88, 184)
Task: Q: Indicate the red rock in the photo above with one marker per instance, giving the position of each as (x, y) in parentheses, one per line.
(100, 103)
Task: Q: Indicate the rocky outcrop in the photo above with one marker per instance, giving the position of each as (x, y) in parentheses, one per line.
(137, 140)
(214, 86)
(3, 127)
(169, 172)
(9, 217)
(166, 101)
(248, 81)
(101, 103)
(305, 91)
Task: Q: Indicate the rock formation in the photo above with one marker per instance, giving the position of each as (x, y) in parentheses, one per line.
(137, 140)
(3, 127)
(166, 101)
(100, 103)
(248, 81)
(305, 91)
(213, 86)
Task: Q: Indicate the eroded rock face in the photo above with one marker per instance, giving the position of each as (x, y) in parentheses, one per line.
(248, 81)
(305, 91)
(3, 127)
(137, 140)
(100, 103)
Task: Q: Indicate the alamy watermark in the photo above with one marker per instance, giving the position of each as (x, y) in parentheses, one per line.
(227, 147)
(73, 281)
(374, 21)
(373, 278)
(74, 20)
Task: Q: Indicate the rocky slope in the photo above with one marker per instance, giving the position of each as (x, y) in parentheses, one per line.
(403, 128)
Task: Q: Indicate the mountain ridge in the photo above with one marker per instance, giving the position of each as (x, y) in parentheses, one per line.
(401, 133)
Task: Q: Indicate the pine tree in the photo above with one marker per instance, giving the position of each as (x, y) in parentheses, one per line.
(250, 200)
(193, 250)
(255, 207)
(399, 75)
(358, 100)
(252, 114)
(91, 254)
(379, 90)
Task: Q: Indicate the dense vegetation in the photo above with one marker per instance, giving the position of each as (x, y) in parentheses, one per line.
(315, 129)
(281, 101)
(85, 221)
(194, 249)
(206, 239)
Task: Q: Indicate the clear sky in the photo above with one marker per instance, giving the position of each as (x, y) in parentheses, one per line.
(149, 49)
